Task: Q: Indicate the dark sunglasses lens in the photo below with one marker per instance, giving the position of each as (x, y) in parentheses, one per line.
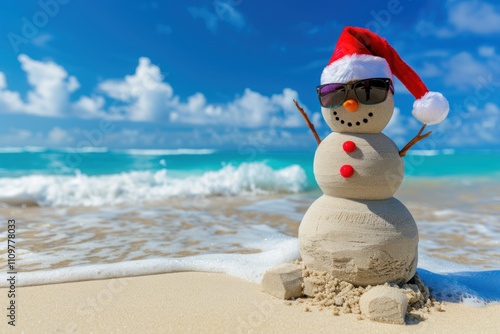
(332, 95)
(371, 91)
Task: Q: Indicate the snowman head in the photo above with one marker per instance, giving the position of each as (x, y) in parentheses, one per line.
(351, 100)
(356, 92)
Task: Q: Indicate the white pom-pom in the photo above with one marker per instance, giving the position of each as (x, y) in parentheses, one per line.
(432, 108)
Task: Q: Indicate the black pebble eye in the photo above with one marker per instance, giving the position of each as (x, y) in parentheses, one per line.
(370, 114)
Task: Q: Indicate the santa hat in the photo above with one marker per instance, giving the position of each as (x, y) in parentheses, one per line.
(362, 54)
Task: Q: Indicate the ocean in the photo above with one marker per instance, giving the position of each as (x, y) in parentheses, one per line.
(99, 213)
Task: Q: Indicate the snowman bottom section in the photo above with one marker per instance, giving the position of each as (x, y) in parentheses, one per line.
(360, 241)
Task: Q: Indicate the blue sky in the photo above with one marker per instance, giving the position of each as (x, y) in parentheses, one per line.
(222, 74)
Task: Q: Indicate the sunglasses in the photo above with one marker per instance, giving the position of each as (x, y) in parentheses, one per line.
(367, 91)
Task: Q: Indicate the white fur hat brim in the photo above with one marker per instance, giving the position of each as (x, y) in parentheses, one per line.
(355, 67)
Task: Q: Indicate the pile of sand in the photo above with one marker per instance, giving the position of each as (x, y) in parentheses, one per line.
(327, 293)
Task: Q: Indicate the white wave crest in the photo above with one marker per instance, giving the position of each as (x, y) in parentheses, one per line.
(142, 186)
(180, 151)
(31, 149)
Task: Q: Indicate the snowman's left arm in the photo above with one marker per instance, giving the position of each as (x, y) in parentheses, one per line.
(415, 140)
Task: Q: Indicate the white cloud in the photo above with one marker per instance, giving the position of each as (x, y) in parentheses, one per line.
(14, 137)
(55, 137)
(9, 101)
(3, 81)
(250, 110)
(430, 70)
(486, 51)
(90, 107)
(490, 117)
(399, 88)
(475, 126)
(400, 126)
(51, 87)
(125, 137)
(42, 40)
(474, 16)
(245, 140)
(469, 127)
(429, 28)
(395, 125)
(211, 21)
(50, 94)
(463, 71)
(59, 137)
(227, 12)
(23, 134)
(221, 11)
(147, 96)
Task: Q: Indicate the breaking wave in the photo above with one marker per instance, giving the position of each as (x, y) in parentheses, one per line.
(142, 186)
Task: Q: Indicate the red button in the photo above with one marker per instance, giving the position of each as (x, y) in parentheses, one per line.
(346, 171)
(349, 146)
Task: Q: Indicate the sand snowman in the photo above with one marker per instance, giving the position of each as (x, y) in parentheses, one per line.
(357, 230)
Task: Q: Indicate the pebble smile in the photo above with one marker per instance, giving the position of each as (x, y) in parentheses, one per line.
(337, 118)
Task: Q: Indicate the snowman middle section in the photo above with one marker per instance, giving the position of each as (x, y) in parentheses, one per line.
(377, 168)
(357, 231)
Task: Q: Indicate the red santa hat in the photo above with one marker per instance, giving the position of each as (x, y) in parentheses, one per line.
(362, 54)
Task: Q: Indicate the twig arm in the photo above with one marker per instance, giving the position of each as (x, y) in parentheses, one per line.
(309, 124)
(415, 140)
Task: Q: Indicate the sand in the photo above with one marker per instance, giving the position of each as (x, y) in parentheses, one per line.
(341, 297)
(192, 302)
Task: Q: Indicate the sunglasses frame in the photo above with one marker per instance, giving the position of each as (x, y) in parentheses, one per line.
(350, 87)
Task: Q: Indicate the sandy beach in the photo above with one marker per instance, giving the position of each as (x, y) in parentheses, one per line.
(194, 302)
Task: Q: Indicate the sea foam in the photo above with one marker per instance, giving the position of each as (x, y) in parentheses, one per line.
(142, 186)
(250, 267)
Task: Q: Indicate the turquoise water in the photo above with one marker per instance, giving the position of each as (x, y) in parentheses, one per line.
(44, 161)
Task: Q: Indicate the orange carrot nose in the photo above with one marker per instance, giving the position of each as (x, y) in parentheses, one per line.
(351, 105)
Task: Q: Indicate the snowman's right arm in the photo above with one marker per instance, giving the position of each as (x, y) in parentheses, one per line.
(415, 140)
(311, 126)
